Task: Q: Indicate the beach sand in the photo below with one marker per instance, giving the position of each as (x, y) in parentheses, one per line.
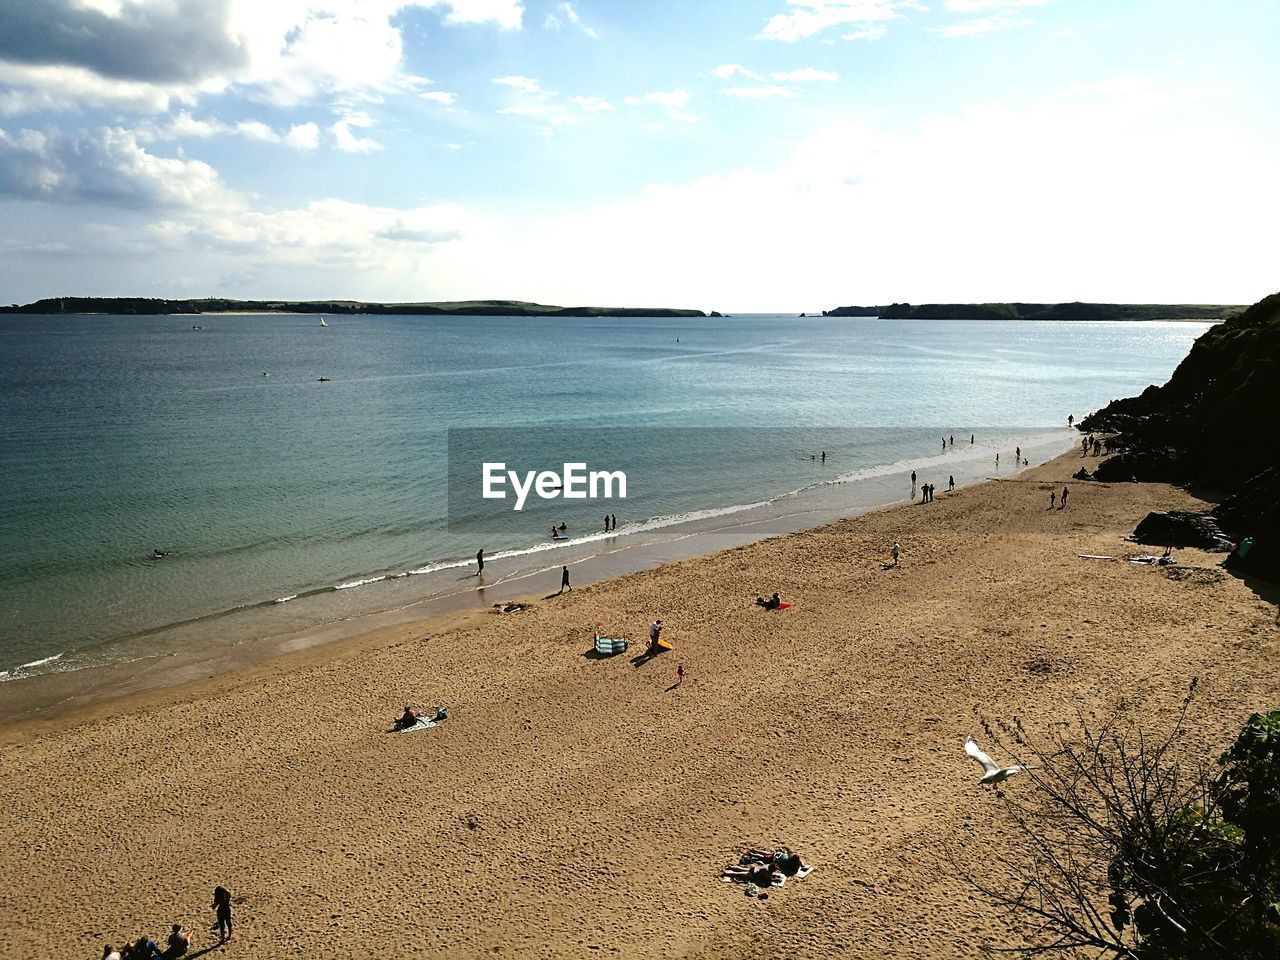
(576, 807)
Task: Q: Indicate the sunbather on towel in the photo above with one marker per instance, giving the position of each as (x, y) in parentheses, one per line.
(784, 859)
(773, 603)
(761, 874)
(408, 719)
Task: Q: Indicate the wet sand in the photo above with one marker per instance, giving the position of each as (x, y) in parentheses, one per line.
(580, 807)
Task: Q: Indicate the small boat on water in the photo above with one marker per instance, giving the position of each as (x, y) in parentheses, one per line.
(322, 323)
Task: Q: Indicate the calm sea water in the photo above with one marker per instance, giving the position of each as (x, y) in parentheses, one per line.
(122, 434)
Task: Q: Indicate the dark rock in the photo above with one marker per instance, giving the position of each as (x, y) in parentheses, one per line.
(1182, 528)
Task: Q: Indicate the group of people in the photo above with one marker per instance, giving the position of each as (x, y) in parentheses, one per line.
(1095, 446)
(1053, 498)
(179, 940)
(764, 868)
(610, 522)
(927, 491)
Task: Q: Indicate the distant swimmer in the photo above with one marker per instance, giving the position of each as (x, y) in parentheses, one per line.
(953, 440)
(824, 456)
(159, 554)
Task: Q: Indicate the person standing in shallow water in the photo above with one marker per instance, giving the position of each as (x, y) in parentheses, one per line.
(951, 483)
(480, 562)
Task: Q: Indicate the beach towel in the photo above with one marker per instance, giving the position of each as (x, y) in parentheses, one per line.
(608, 646)
(422, 724)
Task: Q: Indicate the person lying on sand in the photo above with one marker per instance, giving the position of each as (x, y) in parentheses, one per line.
(761, 874)
(773, 603)
(784, 859)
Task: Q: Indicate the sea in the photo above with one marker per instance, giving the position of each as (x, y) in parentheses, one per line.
(291, 507)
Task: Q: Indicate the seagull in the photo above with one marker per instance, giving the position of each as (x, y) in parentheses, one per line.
(992, 772)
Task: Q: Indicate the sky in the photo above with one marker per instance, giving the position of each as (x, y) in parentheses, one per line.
(732, 155)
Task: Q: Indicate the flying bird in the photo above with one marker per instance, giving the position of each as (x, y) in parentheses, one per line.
(992, 772)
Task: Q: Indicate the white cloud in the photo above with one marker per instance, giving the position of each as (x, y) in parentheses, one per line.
(674, 99)
(1118, 225)
(866, 33)
(523, 84)
(806, 75)
(592, 104)
(184, 126)
(981, 26)
(727, 71)
(105, 167)
(145, 55)
(978, 6)
(303, 136)
(507, 14)
(758, 93)
(564, 14)
(439, 96)
(811, 17)
(345, 138)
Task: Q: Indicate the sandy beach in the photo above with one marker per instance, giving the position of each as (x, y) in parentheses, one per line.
(575, 807)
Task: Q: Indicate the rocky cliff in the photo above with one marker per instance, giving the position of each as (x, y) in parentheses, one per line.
(1215, 426)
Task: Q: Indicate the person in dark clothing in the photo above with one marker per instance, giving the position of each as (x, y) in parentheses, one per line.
(773, 603)
(951, 483)
(222, 912)
(179, 943)
(480, 562)
(1065, 491)
(564, 579)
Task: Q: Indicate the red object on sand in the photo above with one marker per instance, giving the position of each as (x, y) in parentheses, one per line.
(783, 605)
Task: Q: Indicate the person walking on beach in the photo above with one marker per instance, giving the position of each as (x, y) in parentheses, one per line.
(480, 562)
(564, 579)
(1065, 491)
(222, 911)
(895, 553)
(997, 460)
(951, 483)
(1053, 499)
(1017, 455)
(679, 674)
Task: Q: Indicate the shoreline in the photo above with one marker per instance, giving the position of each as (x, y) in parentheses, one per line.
(530, 823)
(592, 559)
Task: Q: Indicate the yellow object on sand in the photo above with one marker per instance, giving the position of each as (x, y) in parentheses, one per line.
(664, 645)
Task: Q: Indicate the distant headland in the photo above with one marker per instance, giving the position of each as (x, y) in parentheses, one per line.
(1043, 311)
(476, 308)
